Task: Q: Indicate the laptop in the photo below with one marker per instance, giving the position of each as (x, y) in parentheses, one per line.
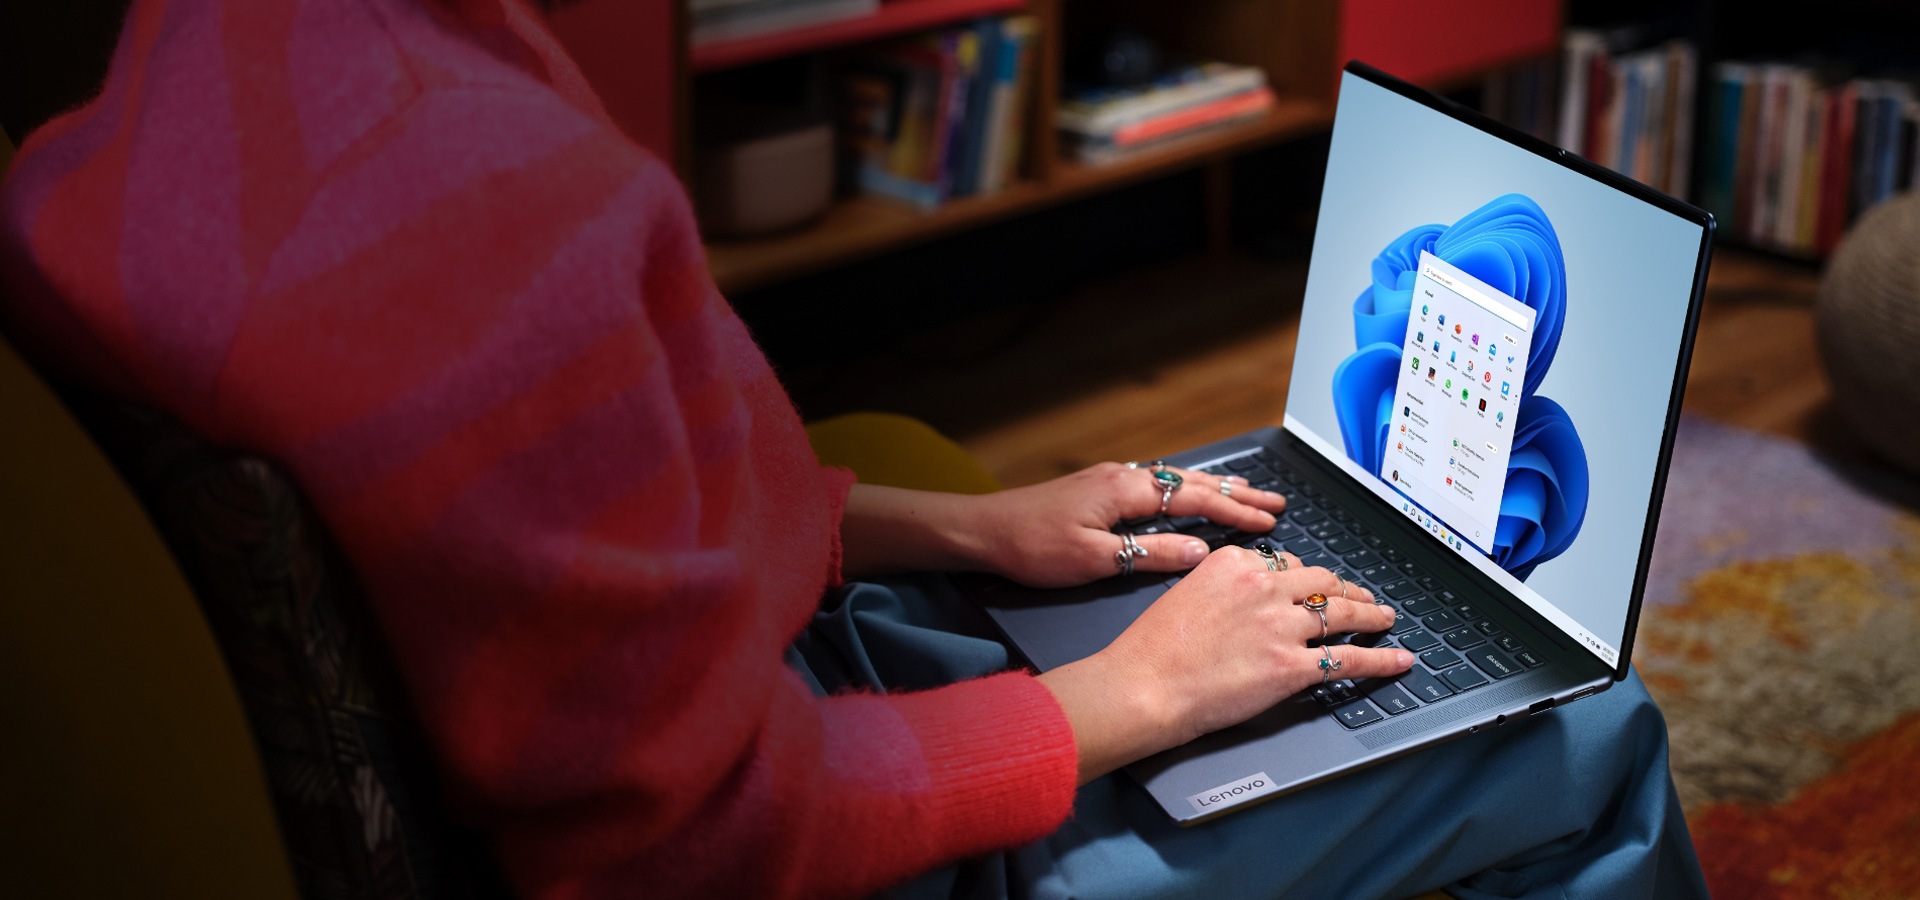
(1484, 396)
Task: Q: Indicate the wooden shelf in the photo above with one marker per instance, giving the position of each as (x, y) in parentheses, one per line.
(860, 227)
(895, 17)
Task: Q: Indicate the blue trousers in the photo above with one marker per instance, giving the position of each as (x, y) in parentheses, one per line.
(1575, 803)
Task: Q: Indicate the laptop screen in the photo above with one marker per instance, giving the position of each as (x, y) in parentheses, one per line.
(1489, 341)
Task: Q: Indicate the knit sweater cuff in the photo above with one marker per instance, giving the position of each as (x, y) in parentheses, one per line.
(1001, 757)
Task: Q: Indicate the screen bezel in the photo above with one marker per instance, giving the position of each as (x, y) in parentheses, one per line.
(1682, 362)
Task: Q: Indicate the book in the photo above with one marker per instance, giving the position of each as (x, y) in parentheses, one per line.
(727, 20)
(1007, 117)
(1178, 123)
(1098, 112)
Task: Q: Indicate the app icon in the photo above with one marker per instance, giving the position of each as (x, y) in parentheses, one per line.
(1456, 328)
(1420, 337)
(1396, 477)
(1436, 346)
(1509, 360)
(1443, 318)
(1423, 309)
(1469, 367)
(1483, 408)
(1492, 348)
(1429, 373)
(1453, 355)
(1476, 340)
(1399, 445)
(1489, 377)
(1409, 410)
(1449, 384)
(1403, 428)
(1500, 416)
(1506, 387)
(1449, 479)
(1449, 460)
(1456, 442)
(1416, 364)
(1463, 394)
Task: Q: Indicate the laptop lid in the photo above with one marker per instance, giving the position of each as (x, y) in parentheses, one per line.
(1493, 341)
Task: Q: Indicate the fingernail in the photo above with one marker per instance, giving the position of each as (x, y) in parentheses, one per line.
(1271, 521)
(1405, 658)
(1193, 552)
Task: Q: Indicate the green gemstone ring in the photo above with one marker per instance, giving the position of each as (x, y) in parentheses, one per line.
(1168, 481)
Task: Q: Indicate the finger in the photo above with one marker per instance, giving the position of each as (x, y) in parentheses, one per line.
(1241, 490)
(1203, 498)
(1321, 580)
(1344, 617)
(1169, 552)
(1364, 662)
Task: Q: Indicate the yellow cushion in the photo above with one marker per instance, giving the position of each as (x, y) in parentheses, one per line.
(129, 768)
(898, 451)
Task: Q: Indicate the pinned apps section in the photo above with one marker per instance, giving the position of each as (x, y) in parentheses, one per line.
(1456, 399)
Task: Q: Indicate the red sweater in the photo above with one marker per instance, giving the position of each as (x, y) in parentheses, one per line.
(397, 246)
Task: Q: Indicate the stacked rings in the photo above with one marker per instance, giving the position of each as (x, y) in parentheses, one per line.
(1316, 603)
(1129, 550)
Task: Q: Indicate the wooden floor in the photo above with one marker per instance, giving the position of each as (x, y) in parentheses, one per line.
(1200, 349)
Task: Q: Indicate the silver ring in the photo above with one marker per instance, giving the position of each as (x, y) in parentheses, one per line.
(1273, 560)
(1226, 488)
(1328, 665)
(1343, 587)
(1132, 464)
(1167, 481)
(1129, 548)
(1316, 603)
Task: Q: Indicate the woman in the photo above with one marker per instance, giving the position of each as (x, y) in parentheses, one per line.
(397, 246)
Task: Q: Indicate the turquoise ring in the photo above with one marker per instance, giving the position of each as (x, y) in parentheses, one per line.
(1168, 481)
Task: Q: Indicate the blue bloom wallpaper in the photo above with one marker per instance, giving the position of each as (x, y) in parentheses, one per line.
(1509, 244)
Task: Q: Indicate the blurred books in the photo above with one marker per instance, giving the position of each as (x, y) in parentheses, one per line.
(1794, 154)
(940, 116)
(1104, 124)
(1630, 107)
(726, 20)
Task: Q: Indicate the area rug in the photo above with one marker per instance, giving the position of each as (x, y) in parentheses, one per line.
(1780, 637)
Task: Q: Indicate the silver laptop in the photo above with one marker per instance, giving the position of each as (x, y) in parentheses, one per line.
(1492, 348)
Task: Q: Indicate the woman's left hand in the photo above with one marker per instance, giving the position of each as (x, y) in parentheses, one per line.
(1059, 533)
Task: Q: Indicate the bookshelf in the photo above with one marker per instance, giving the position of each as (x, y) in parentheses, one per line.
(1299, 44)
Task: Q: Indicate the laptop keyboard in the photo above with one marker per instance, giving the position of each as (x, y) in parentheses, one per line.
(1456, 648)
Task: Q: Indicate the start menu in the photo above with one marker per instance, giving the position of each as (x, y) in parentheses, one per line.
(1454, 409)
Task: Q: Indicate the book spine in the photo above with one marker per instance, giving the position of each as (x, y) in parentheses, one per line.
(1577, 58)
(1810, 170)
(1793, 147)
(1195, 117)
(1680, 165)
(981, 80)
(1747, 151)
(1723, 142)
(1599, 102)
(1026, 30)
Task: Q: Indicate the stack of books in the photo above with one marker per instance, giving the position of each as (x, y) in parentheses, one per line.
(1105, 124)
(1793, 155)
(939, 116)
(727, 20)
(1630, 108)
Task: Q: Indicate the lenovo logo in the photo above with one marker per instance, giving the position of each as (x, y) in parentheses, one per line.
(1255, 785)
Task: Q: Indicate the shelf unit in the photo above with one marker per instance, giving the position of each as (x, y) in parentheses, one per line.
(1299, 43)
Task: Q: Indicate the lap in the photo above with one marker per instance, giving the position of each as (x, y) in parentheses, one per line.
(1576, 802)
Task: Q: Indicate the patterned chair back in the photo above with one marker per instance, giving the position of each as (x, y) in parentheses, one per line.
(347, 768)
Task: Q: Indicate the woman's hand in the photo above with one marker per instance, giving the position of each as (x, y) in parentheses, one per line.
(1059, 533)
(1226, 643)
(1053, 534)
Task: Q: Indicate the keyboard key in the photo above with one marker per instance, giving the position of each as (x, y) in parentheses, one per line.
(1332, 693)
(1419, 639)
(1359, 528)
(1188, 523)
(1340, 515)
(1320, 558)
(1362, 558)
(1325, 530)
(1286, 529)
(1306, 516)
(1243, 464)
(1463, 637)
(1486, 626)
(1154, 526)
(1259, 475)
(1373, 574)
(1403, 624)
(1420, 606)
(1423, 685)
(1343, 545)
(1466, 611)
(1527, 659)
(1448, 597)
(1392, 555)
(1443, 621)
(1401, 590)
(1429, 582)
(1367, 638)
(1507, 643)
(1390, 697)
(1356, 714)
(1300, 545)
(1373, 540)
(1440, 658)
(1413, 570)
(1493, 663)
(1309, 490)
(1464, 678)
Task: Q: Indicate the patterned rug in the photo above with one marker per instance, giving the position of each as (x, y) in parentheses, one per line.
(1779, 637)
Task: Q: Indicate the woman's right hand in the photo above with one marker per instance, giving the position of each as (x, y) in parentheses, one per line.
(1226, 643)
